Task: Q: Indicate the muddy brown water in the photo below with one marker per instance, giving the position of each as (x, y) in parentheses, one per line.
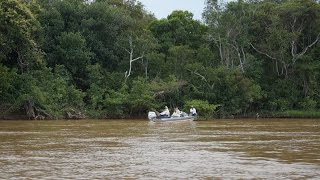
(139, 149)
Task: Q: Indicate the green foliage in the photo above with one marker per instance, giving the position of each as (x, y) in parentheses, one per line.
(177, 30)
(205, 56)
(297, 114)
(179, 56)
(157, 65)
(50, 92)
(308, 104)
(141, 97)
(231, 89)
(7, 81)
(72, 52)
(168, 91)
(115, 103)
(18, 25)
(102, 26)
(204, 109)
(283, 94)
(249, 56)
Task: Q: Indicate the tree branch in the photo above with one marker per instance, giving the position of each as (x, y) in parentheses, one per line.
(235, 46)
(128, 73)
(198, 74)
(262, 52)
(297, 56)
(293, 48)
(137, 58)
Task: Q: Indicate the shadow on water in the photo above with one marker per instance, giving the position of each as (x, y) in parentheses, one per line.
(136, 149)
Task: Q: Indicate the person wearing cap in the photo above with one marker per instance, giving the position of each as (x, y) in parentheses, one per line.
(165, 112)
(193, 111)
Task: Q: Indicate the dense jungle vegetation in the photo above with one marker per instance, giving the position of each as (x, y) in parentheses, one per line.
(113, 59)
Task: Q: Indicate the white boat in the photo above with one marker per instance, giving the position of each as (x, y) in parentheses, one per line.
(152, 116)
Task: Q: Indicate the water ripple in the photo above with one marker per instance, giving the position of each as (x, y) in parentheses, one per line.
(143, 150)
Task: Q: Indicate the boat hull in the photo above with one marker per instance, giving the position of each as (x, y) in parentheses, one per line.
(151, 117)
(172, 119)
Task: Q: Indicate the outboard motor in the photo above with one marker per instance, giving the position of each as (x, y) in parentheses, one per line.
(151, 115)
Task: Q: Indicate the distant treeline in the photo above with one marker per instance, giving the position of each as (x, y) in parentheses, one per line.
(113, 59)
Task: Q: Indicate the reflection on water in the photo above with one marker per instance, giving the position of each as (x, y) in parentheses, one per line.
(223, 149)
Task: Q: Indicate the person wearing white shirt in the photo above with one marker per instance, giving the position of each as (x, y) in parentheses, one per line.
(165, 112)
(193, 111)
(176, 112)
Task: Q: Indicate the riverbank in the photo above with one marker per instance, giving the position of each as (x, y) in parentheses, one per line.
(281, 114)
(264, 114)
(297, 114)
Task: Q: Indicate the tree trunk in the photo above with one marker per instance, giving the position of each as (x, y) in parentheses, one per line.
(29, 107)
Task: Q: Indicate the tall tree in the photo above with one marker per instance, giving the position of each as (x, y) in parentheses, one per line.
(288, 31)
(18, 25)
(229, 31)
(179, 28)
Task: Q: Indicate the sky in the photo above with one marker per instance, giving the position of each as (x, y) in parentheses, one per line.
(162, 8)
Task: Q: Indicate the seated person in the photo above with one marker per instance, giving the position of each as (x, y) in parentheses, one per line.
(176, 113)
(165, 112)
(193, 111)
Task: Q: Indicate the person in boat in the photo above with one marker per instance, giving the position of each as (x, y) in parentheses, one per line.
(193, 111)
(165, 112)
(176, 112)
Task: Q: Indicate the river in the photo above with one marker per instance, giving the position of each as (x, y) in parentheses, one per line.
(139, 149)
